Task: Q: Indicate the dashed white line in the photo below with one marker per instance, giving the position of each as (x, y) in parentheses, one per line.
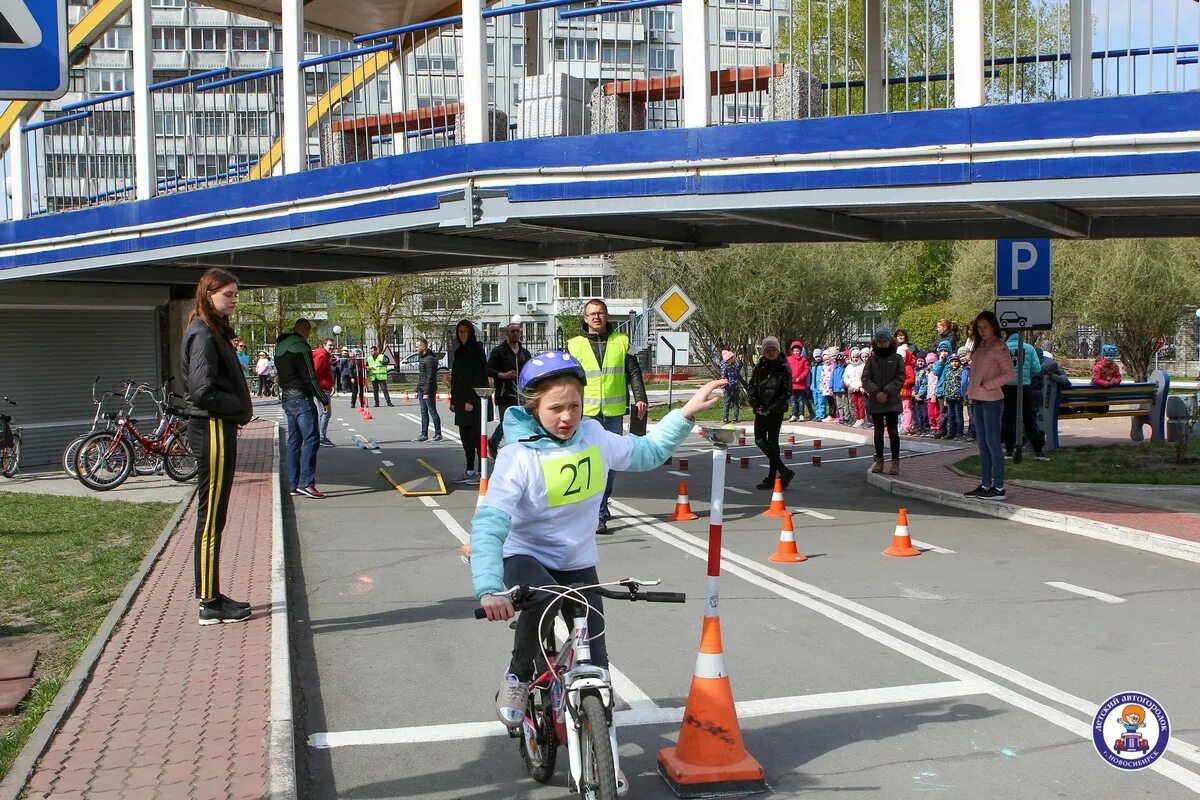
(932, 547)
(1101, 596)
(388, 464)
(677, 472)
(428, 502)
(808, 512)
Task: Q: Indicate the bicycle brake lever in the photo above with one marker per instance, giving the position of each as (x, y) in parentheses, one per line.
(634, 583)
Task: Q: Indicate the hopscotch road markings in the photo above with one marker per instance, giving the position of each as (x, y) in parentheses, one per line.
(808, 512)
(1101, 596)
(388, 464)
(848, 612)
(653, 715)
(932, 547)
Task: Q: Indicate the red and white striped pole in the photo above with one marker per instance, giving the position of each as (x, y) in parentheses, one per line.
(716, 518)
(485, 397)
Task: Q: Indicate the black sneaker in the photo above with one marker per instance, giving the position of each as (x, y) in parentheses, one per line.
(997, 494)
(219, 611)
(602, 528)
(787, 479)
(422, 438)
(978, 491)
(229, 601)
(767, 484)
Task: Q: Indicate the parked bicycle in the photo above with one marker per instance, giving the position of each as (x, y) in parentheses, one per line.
(571, 699)
(106, 459)
(10, 443)
(102, 420)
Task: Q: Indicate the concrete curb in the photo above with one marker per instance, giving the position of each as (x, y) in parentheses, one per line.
(281, 748)
(1080, 526)
(23, 767)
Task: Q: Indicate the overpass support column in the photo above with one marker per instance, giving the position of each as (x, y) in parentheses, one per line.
(875, 89)
(695, 49)
(18, 146)
(474, 79)
(1081, 48)
(968, 53)
(144, 168)
(295, 112)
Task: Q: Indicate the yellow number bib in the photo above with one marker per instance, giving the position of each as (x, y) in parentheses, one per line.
(574, 477)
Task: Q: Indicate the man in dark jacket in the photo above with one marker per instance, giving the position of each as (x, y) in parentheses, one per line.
(504, 366)
(883, 378)
(427, 370)
(612, 374)
(298, 388)
(768, 392)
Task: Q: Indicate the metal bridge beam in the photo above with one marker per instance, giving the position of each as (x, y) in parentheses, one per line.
(1048, 216)
(285, 260)
(810, 220)
(416, 242)
(631, 229)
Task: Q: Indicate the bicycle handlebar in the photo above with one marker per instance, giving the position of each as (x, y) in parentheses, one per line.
(521, 595)
(10, 401)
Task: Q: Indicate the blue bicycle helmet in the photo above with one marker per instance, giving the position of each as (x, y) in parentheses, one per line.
(1109, 351)
(549, 364)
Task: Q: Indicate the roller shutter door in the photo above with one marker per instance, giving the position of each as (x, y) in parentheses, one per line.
(50, 358)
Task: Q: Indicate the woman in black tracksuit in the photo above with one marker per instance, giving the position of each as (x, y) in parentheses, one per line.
(768, 392)
(468, 373)
(218, 401)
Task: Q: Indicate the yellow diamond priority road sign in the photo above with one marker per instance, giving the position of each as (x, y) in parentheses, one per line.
(675, 307)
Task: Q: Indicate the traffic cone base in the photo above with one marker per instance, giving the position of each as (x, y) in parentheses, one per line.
(777, 508)
(683, 506)
(786, 551)
(902, 546)
(710, 758)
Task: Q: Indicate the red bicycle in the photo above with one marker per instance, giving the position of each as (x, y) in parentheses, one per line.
(105, 460)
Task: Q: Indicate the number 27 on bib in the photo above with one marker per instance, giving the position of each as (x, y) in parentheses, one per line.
(574, 477)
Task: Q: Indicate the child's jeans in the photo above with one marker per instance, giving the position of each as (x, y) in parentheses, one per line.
(528, 571)
(954, 419)
(906, 415)
(845, 409)
(733, 399)
(798, 402)
(934, 414)
(818, 405)
(920, 417)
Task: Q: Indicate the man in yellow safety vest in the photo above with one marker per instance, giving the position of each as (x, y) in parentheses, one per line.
(377, 370)
(612, 373)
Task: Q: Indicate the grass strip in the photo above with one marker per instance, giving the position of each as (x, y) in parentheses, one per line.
(65, 561)
(1151, 463)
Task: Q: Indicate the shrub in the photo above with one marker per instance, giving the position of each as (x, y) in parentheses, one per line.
(921, 324)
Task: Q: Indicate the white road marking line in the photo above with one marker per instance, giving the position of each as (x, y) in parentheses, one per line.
(352, 429)
(808, 512)
(887, 695)
(446, 433)
(836, 608)
(1101, 596)
(428, 502)
(345, 424)
(452, 525)
(933, 547)
(677, 472)
(736, 490)
(388, 464)
(339, 419)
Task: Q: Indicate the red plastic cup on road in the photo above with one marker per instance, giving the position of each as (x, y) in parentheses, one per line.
(816, 444)
(745, 463)
(816, 462)
(787, 454)
(683, 464)
(853, 452)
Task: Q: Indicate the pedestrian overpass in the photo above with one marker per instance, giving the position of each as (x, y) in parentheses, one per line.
(474, 135)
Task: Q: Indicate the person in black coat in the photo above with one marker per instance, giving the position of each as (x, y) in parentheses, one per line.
(468, 372)
(883, 377)
(504, 367)
(768, 392)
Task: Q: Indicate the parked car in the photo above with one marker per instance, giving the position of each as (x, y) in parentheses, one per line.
(408, 364)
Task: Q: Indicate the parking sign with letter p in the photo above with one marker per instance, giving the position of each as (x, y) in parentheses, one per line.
(1023, 268)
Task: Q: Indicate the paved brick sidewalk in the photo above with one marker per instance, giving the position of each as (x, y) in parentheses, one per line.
(933, 471)
(175, 710)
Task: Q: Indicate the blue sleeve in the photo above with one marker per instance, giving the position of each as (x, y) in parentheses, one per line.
(489, 529)
(651, 451)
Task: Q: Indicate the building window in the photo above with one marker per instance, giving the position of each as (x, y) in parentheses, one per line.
(211, 123)
(167, 39)
(534, 333)
(619, 54)
(257, 40)
(384, 90)
(437, 63)
(210, 39)
(252, 123)
(170, 168)
(104, 81)
(580, 287)
(168, 3)
(743, 113)
(531, 292)
(115, 39)
(434, 303)
(662, 20)
(208, 166)
(576, 49)
(491, 53)
(489, 292)
(744, 37)
(662, 59)
(170, 123)
(112, 123)
(312, 42)
(491, 332)
(518, 55)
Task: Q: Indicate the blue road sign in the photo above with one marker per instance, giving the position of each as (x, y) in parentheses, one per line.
(1023, 268)
(33, 49)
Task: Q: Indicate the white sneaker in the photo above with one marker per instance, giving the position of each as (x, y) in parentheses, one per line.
(511, 701)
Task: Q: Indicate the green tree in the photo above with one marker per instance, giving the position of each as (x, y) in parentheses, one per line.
(920, 276)
(263, 315)
(814, 292)
(367, 308)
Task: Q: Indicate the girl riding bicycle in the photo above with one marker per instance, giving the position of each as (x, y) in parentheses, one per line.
(537, 523)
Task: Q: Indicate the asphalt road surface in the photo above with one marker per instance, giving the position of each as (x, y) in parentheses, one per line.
(973, 671)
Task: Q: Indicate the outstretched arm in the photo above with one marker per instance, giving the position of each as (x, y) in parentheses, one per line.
(650, 451)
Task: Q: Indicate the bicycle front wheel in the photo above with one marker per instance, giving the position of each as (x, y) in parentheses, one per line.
(10, 458)
(104, 461)
(598, 774)
(68, 459)
(179, 462)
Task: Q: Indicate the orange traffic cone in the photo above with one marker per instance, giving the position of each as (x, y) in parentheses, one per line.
(777, 508)
(683, 506)
(902, 546)
(710, 758)
(367, 414)
(786, 551)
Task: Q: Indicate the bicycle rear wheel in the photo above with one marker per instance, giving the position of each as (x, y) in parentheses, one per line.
(10, 458)
(598, 775)
(104, 461)
(179, 462)
(68, 458)
(539, 748)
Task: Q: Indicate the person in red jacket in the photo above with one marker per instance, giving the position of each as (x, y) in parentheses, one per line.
(323, 367)
(1106, 372)
(801, 399)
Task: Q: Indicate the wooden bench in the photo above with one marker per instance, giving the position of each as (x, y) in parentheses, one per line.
(1143, 403)
(733, 80)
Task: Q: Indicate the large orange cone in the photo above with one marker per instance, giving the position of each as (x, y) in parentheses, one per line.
(710, 759)
(777, 508)
(786, 552)
(367, 414)
(902, 546)
(683, 506)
